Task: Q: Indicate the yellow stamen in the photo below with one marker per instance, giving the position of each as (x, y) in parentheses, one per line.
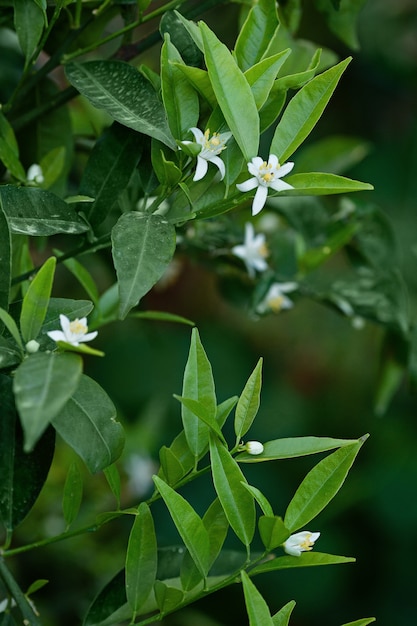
(275, 304)
(77, 327)
(307, 544)
(263, 250)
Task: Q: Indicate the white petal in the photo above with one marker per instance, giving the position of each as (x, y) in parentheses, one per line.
(285, 169)
(280, 185)
(273, 160)
(287, 287)
(257, 162)
(57, 335)
(259, 199)
(198, 134)
(217, 161)
(88, 336)
(259, 264)
(248, 185)
(249, 232)
(201, 169)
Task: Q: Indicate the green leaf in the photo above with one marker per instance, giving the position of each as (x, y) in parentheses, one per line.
(83, 276)
(256, 606)
(261, 77)
(291, 447)
(282, 618)
(22, 475)
(319, 184)
(172, 468)
(73, 493)
(9, 354)
(179, 97)
(342, 19)
(256, 34)
(198, 384)
(36, 301)
(5, 261)
(320, 486)
(38, 212)
(113, 478)
(124, 93)
(166, 171)
(248, 403)
(143, 246)
(141, 559)
(304, 111)
(260, 499)
(199, 409)
(334, 154)
(42, 385)
(162, 316)
(361, 622)
(306, 559)
(11, 326)
(236, 500)
(174, 24)
(167, 597)
(9, 150)
(53, 166)
(231, 89)
(88, 424)
(273, 531)
(188, 524)
(200, 80)
(108, 171)
(29, 21)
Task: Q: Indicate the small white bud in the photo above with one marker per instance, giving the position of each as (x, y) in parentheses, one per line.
(32, 346)
(254, 447)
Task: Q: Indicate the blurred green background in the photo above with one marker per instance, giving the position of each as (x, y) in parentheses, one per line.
(319, 379)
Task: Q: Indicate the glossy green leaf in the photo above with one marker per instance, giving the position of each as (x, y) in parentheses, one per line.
(141, 559)
(291, 447)
(236, 500)
(342, 19)
(256, 33)
(22, 475)
(42, 385)
(73, 493)
(113, 478)
(88, 424)
(179, 96)
(248, 403)
(166, 171)
(188, 524)
(143, 246)
(83, 276)
(361, 622)
(224, 409)
(172, 23)
(172, 468)
(9, 150)
(198, 384)
(5, 261)
(261, 77)
(299, 79)
(272, 108)
(320, 486)
(29, 21)
(306, 559)
(199, 409)
(256, 606)
(167, 597)
(200, 80)
(38, 212)
(282, 618)
(273, 531)
(9, 353)
(261, 499)
(36, 301)
(304, 111)
(53, 166)
(109, 168)
(232, 88)
(179, 459)
(124, 93)
(320, 184)
(11, 326)
(162, 316)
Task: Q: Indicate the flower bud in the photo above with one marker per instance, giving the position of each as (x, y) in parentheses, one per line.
(254, 447)
(32, 346)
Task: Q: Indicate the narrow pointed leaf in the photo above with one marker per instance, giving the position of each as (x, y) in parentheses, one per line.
(291, 447)
(260, 499)
(73, 493)
(5, 261)
(321, 184)
(261, 77)
(231, 88)
(236, 500)
(9, 150)
(306, 559)
(189, 525)
(141, 559)
(361, 622)
(200, 410)
(11, 326)
(273, 532)
(143, 246)
(198, 384)
(256, 606)
(167, 597)
(43, 384)
(87, 422)
(22, 475)
(282, 618)
(248, 403)
(320, 486)
(113, 478)
(36, 301)
(304, 111)
(256, 33)
(29, 21)
(124, 93)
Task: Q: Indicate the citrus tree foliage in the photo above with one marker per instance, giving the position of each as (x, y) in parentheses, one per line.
(185, 159)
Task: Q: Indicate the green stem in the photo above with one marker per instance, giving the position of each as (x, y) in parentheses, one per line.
(28, 614)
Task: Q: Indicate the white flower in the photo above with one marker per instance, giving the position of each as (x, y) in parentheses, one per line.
(210, 148)
(300, 542)
(254, 447)
(275, 299)
(265, 175)
(35, 174)
(74, 332)
(253, 251)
